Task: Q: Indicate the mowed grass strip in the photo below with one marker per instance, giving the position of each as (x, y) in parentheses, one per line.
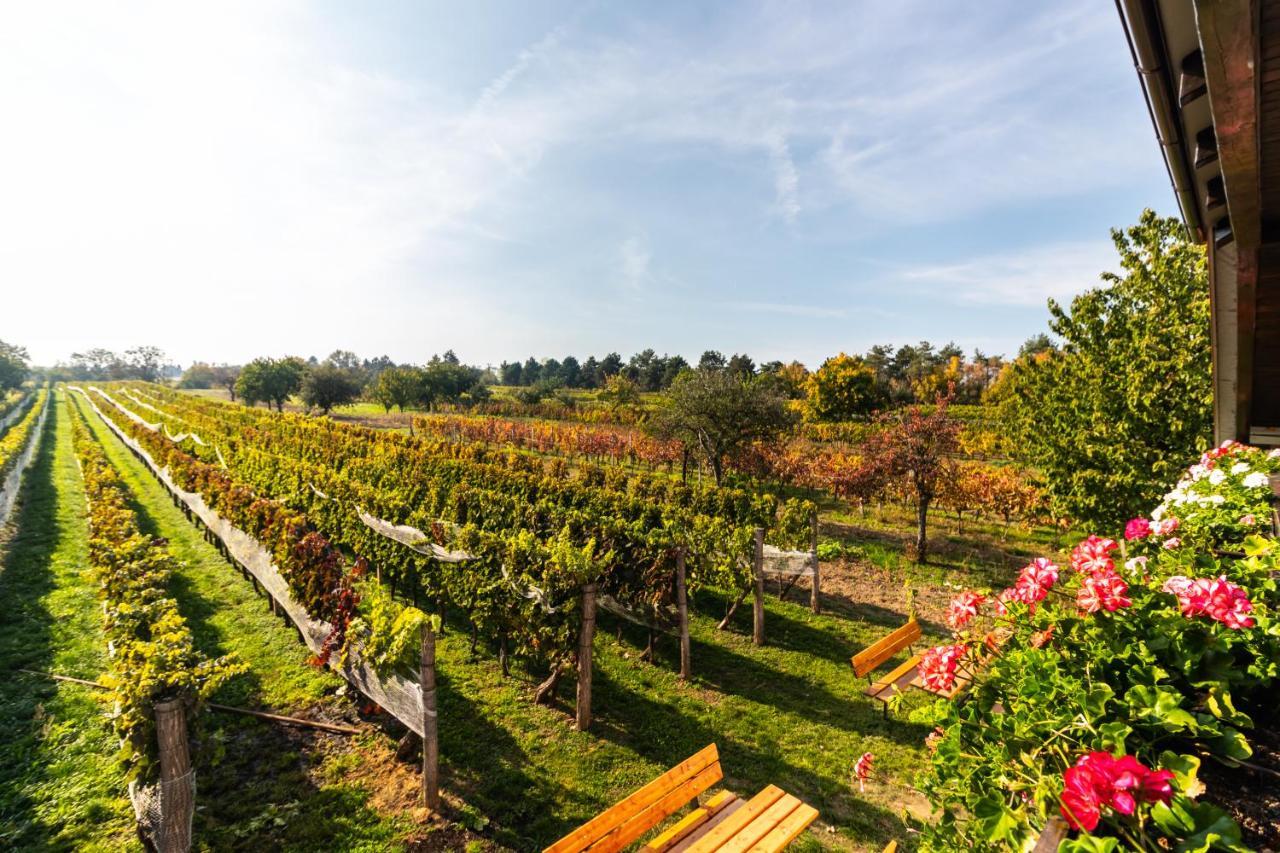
(60, 785)
(260, 785)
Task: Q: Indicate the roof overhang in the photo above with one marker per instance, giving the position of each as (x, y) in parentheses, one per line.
(1210, 72)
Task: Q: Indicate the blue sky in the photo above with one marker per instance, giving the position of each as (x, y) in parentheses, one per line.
(785, 179)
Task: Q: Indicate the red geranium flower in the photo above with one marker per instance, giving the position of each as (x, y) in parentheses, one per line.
(1102, 591)
(963, 608)
(1093, 555)
(938, 667)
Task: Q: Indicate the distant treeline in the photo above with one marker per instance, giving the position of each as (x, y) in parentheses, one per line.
(902, 374)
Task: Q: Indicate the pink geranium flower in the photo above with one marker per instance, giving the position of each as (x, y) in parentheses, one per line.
(1219, 599)
(863, 768)
(1100, 780)
(1103, 591)
(1137, 528)
(938, 667)
(1093, 555)
(1164, 527)
(963, 608)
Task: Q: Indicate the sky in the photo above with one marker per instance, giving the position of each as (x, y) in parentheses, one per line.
(790, 180)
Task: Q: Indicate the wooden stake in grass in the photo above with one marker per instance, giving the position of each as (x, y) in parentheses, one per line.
(682, 611)
(757, 568)
(177, 799)
(430, 728)
(814, 601)
(585, 640)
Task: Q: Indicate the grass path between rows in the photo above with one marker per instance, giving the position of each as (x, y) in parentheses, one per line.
(260, 785)
(60, 786)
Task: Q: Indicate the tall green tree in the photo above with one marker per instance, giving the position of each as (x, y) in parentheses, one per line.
(398, 387)
(716, 414)
(328, 385)
(843, 389)
(13, 366)
(1114, 415)
(271, 380)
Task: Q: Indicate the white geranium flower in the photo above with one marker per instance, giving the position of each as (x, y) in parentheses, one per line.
(1240, 468)
(1256, 480)
(1217, 476)
(1217, 499)
(1197, 471)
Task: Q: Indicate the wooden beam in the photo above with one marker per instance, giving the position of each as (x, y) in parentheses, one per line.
(1229, 45)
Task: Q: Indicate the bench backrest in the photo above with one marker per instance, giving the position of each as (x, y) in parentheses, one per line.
(880, 651)
(629, 819)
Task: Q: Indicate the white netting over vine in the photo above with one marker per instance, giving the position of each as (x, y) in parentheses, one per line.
(399, 696)
(12, 483)
(780, 562)
(164, 811)
(410, 537)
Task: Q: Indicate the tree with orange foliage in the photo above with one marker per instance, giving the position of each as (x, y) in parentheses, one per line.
(914, 443)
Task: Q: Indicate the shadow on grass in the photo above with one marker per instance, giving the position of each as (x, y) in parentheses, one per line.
(667, 734)
(58, 787)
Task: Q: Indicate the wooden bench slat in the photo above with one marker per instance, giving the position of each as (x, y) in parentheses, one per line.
(619, 813)
(687, 824)
(900, 677)
(720, 817)
(740, 818)
(637, 825)
(762, 825)
(891, 847)
(787, 830)
(886, 647)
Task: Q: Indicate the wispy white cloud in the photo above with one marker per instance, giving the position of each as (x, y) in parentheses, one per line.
(790, 309)
(524, 60)
(1023, 277)
(634, 259)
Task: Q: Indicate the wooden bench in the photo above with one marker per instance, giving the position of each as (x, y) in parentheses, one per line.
(906, 674)
(768, 821)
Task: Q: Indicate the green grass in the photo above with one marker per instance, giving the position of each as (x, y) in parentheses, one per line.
(789, 714)
(60, 786)
(260, 786)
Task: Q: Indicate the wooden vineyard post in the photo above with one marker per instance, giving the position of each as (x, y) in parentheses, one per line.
(1274, 480)
(585, 640)
(430, 727)
(757, 568)
(177, 799)
(682, 611)
(814, 601)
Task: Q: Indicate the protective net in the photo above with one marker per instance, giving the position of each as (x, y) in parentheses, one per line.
(660, 619)
(399, 696)
(780, 562)
(164, 811)
(13, 481)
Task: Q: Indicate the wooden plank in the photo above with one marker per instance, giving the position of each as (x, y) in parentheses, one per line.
(791, 827)
(904, 673)
(605, 822)
(762, 825)
(1230, 46)
(886, 647)
(637, 825)
(733, 825)
(719, 818)
(687, 824)
(891, 847)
